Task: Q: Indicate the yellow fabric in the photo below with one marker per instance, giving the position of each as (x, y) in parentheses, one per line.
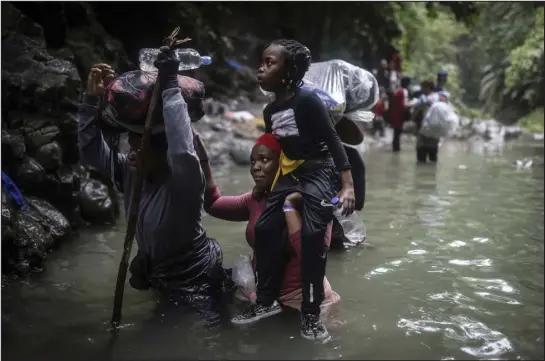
(285, 166)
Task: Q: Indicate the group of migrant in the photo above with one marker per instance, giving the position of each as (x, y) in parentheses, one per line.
(299, 166)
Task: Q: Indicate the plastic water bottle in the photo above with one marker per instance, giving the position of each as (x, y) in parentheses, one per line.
(353, 227)
(189, 59)
(243, 274)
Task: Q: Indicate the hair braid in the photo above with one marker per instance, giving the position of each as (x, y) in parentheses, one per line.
(298, 60)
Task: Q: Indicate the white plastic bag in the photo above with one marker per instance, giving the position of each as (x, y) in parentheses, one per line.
(343, 87)
(439, 121)
(363, 116)
(243, 274)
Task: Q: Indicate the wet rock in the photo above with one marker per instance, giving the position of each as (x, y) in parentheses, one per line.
(30, 175)
(13, 147)
(512, 132)
(35, 80)
(490, 130)
(68, 140)
(68, 123)
(81, 172)
(217, 143)
(214, 108)
(7, 211)
(39, 137)
(25, 240)
(96, 205)
(239, 104)
(221, 126)
(69, 179)
(91, 44)
(465, 130)
(247, 130)
(8, 239)
(49, 156)
(62, 189)
(538, 136)
(241, 151)
(52, 220)
(218, 153)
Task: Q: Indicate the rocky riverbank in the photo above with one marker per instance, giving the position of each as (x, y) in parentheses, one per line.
(41, 88)
(40, 93)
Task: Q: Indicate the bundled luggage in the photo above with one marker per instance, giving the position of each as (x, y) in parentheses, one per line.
(345, 89)
(440, 120)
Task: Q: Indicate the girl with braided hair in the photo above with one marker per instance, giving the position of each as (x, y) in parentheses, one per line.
(310, 162)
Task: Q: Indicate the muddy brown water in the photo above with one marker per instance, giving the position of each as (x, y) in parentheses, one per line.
(455, 272)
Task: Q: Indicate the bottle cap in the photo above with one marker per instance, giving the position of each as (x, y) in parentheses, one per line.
(335, 201)
(206, 60)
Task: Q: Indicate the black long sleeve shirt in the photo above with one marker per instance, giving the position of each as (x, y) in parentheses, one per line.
(304, 129)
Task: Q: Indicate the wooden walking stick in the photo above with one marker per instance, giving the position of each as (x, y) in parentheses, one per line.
(171, 42)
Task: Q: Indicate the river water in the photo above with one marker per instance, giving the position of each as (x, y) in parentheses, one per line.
(454, 271)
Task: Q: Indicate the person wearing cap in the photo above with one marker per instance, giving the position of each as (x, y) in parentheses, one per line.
(175, 256)
(442, 78)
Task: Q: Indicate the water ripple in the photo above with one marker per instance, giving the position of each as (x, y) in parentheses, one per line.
(463, 329)
(497, 298)
(490, 284)
(452, 297)
(417, 251)
(480, 239)
(486, 262)
(377, 271)
(457, 244)
(496, 348)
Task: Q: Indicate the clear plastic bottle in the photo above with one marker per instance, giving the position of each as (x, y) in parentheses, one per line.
(189, 59)
(353, 226)
(243, 274)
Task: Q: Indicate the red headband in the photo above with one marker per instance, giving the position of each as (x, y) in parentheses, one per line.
(269, 140)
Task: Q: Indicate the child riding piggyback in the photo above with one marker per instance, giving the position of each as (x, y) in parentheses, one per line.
(313, 163)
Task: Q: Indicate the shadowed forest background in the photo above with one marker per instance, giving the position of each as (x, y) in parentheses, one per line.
(493, 51)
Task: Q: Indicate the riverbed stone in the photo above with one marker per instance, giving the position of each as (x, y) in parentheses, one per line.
(49, 156)
(13, 146)
(241, 151)
(95, 202)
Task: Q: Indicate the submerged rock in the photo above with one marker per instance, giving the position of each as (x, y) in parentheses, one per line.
(95, 202)
(49, 156)
(13, 146)
(51, 219)
(28, 233)
(30, 175)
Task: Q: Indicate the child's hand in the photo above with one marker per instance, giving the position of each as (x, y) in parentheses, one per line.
(347, 198)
